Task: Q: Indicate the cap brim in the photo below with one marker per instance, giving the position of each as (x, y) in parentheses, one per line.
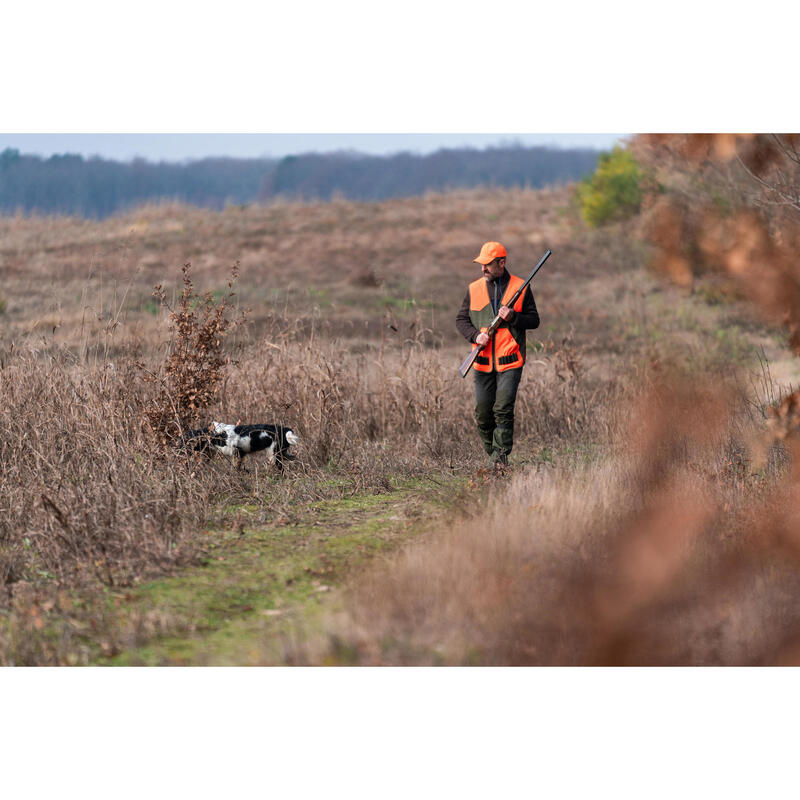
(483, 263)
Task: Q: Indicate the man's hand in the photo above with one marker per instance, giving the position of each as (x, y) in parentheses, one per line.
(482, 340)
(505, 313)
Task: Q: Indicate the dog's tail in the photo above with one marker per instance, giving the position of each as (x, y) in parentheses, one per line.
(292, 438)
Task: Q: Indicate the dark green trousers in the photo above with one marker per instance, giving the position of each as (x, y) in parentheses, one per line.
(495, 395)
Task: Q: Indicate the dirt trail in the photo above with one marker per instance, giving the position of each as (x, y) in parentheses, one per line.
(263, 587)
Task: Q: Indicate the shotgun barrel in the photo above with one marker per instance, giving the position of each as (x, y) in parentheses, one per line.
(466, 365)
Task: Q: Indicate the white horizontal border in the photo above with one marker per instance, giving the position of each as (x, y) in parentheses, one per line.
(400, 732)
(358, 66)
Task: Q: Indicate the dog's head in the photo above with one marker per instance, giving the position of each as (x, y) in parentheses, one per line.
(288, 438)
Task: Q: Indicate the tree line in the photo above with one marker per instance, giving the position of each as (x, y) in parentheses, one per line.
(96, 187)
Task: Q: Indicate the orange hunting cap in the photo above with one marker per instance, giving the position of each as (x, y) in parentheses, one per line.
(489, 252)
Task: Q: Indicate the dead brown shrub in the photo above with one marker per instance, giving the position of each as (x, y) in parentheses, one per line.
(194, 369)
(729, 204)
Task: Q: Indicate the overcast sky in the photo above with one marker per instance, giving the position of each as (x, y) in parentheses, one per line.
(180, 146)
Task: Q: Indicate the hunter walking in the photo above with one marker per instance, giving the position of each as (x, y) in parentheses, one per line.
(498, 366)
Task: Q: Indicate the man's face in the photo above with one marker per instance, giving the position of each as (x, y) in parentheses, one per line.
(494, 269)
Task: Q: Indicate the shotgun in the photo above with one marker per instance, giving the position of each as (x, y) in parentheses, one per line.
(466, 366)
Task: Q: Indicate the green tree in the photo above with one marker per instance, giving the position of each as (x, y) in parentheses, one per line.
(613, 192)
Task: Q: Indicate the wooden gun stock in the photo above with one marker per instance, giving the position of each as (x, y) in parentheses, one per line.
(466, 365)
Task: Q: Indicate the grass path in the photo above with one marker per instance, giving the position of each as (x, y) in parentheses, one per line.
(263, 588)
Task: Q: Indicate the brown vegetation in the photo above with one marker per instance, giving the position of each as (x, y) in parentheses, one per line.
(624, 536)
(194, 368)
(679, 546)
(668, 550)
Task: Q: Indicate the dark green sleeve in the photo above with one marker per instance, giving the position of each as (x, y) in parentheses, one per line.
(464, 323)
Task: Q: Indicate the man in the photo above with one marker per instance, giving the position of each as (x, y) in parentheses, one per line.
(498, 367)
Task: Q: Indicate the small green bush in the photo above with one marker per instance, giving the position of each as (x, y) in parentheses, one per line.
(613, 192)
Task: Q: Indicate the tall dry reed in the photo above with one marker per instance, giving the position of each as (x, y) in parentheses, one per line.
(665, 551)
(89, 488)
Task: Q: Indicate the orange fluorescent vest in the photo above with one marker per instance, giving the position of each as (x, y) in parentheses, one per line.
(503, 351)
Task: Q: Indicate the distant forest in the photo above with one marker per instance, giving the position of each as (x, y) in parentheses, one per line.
(96, 187)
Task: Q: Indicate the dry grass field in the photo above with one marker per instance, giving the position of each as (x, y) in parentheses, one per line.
(636, 525)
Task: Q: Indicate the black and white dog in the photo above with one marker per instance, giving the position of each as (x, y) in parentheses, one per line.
(236, 441)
